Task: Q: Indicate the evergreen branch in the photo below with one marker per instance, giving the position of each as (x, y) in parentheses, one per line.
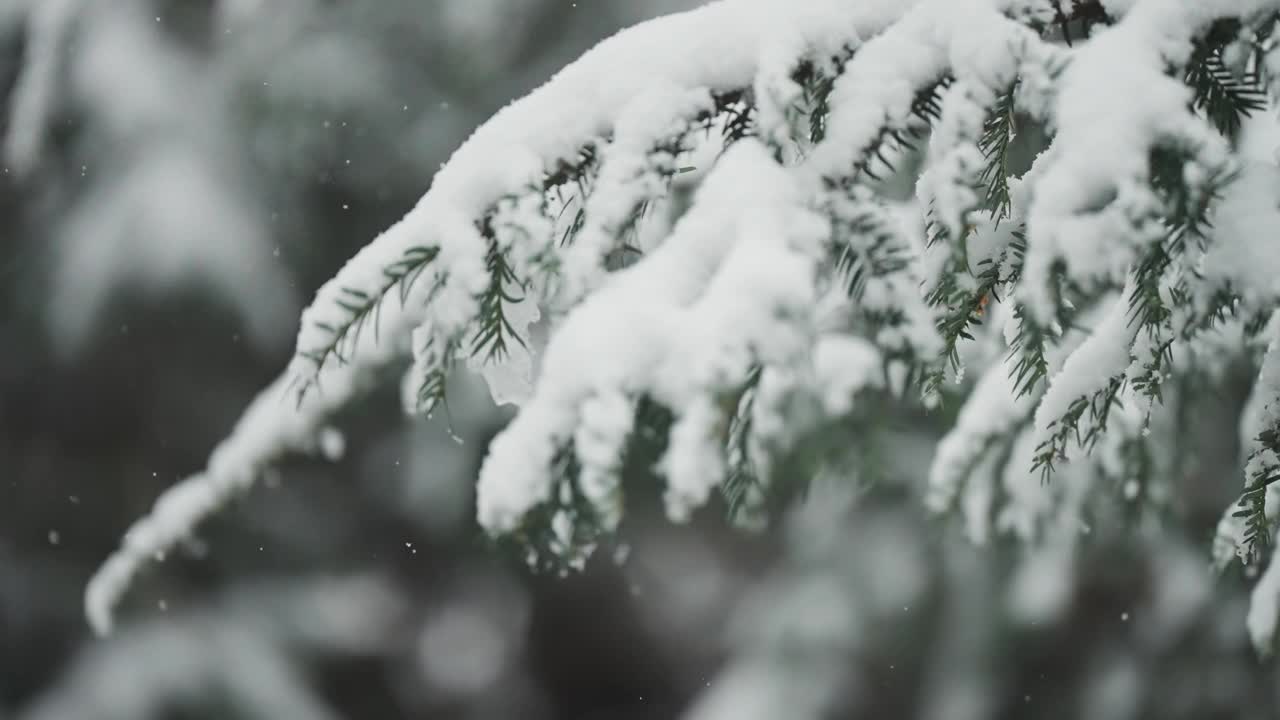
(1225, 97)
(1147, 309)
(742, 478)
(936, 232)
(997, 133)
(1063, 429)
(627, 233)
(818, 98)
(1187, 208)
(363, 308)
(1253, 502)
(432, 392)
(733, 108)
(582, 168)
(561, 533)
(1085, 13)
(493, 328)
(965, 308)
(1187, 211)
(872, 159)
(737, 112)
(872, 250)
(964, 304)
(1027, 352)
(1015, 256)
(490, 337)
(816, 87)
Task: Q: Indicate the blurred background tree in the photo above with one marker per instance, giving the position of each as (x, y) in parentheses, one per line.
(179, 177)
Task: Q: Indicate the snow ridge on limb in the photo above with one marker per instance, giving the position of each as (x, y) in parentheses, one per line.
(992, 411)
(426, 276)
(731, 286)
(636, 309)
(792, 282)
(1094, 209)
(537, 142)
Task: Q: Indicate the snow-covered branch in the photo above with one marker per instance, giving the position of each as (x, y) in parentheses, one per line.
(1104, 206)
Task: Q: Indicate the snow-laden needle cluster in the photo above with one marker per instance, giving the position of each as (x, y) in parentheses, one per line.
(1074, 200)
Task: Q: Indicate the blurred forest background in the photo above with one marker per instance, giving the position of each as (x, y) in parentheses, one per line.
(180, 175)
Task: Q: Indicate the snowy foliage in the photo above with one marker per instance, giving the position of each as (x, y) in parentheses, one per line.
(1092, 190)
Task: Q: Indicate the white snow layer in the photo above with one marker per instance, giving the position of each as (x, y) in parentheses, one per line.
(737, 280)
(992, 410)
(681, 326)
(1093, 209)
(655, 72)
(716, 47)
(1088, 370)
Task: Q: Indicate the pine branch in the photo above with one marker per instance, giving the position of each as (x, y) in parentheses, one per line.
(1085, 13)
(966, 308)
(871, 250)
(1027, 352)
(363, 309)
(872, 159)
(1253, 502)
(997, 133)
(733, 110)
(742, 479)
(1224, 97)
(1187, 207)
(493, 328)
(817, 87)
(1187, 219)
(432, 394)
(1064, 429)
(560, 534)
(580, 170)
(1027, 348)
(965, 303)
(737, 113)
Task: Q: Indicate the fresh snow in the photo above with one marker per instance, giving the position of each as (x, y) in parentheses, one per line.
(743, 279)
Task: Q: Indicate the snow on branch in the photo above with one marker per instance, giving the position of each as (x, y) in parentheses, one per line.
(427, 274)
(799, 282)
(625, 89)
(1095, 209)
(727, 288)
